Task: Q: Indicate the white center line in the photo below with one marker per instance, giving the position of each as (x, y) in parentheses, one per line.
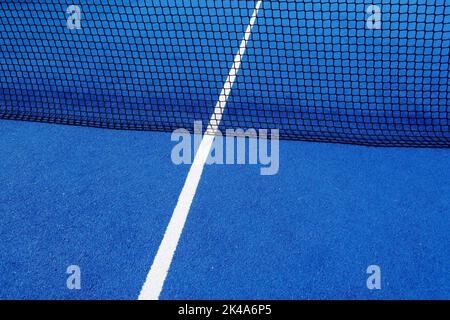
(154, 282)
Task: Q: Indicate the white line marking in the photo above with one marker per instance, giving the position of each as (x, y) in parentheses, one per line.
(158, 272)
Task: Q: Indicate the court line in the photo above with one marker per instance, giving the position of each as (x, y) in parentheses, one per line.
(156, 277)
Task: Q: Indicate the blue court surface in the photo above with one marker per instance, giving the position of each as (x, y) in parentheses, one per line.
(112, 202)
(102, 200)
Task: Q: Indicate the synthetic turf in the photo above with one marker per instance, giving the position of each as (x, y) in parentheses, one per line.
(311, 231)
(76, 196)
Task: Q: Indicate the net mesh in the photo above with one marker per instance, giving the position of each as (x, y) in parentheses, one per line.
(353, 71)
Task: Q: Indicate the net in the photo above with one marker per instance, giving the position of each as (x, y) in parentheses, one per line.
(353, 71)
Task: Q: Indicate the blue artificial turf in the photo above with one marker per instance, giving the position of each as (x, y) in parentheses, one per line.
(311, 231)
(95, 198)
(102, 199)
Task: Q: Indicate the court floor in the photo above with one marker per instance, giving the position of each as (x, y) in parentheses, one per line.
(102, 199)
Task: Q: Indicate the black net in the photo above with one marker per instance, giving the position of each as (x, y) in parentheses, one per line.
(353, 71)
